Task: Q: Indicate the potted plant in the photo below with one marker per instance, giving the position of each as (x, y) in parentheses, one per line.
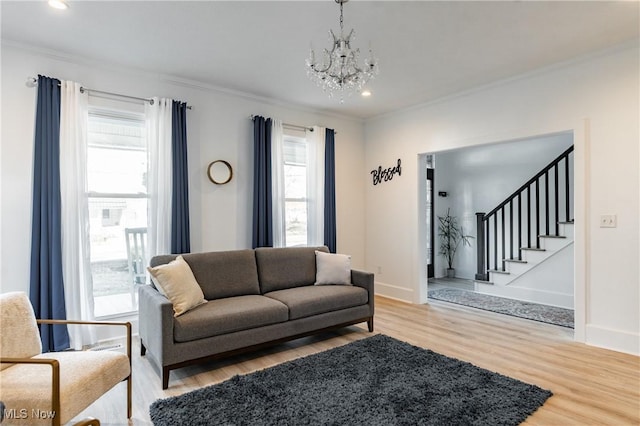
(451, 235)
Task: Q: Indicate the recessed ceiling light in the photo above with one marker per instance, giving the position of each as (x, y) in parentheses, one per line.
(366, 93)
(58, 4)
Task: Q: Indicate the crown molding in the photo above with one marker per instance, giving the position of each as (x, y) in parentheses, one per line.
(171, 79)
(587, 57)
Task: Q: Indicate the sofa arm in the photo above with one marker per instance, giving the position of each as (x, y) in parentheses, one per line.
(155, 322)
(366, 281)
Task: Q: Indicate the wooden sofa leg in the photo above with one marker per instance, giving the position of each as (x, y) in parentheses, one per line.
(370, 324)
(165, 377)
(143, 349)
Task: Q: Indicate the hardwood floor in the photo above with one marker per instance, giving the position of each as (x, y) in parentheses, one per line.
(459, 283)
(591, 386)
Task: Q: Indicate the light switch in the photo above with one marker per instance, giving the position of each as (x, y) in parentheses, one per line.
(608, 221)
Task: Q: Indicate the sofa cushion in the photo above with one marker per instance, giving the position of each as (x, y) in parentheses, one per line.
(176, 282)
(223, 273)
(282, 268)
(312, 300)
(332, 269)
(227, 315)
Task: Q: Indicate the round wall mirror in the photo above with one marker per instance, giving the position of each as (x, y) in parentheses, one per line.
(220, 172)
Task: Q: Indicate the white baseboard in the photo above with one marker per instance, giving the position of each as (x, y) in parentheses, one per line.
(394, 292)
(617, 340)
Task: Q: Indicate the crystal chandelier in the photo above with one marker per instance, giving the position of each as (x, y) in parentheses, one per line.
(339, 71)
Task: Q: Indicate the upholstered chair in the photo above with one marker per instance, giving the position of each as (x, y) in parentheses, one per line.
(54, 387)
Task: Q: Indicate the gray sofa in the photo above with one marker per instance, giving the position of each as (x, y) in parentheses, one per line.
(255, 298)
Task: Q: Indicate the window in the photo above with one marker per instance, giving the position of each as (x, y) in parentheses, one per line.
(295, 191)
(117, 196)
(297, 185)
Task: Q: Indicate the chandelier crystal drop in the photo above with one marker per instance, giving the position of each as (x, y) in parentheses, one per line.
(338, 71)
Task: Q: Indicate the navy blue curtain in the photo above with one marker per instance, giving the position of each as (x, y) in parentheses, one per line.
(46, 284)
(180, 240)
(330, 191)
(262, 196)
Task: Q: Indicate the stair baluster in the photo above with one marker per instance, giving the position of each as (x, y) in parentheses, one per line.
(492, 241)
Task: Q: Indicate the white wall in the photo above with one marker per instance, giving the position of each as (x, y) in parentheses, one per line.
(218, 128)
(596, 99)
(478, 178)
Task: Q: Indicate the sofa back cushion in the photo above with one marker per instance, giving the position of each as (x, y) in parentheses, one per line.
(221, 274)
(282, 268)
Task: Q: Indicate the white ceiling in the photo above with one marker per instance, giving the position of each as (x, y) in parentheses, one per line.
(427, 49)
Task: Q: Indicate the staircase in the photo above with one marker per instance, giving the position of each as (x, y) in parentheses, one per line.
(525, 244)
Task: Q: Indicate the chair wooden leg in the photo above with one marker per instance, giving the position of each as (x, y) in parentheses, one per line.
(370, 324)
(129, 392)
(143, 349)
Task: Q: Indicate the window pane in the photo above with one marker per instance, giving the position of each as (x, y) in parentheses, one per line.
(115, 281)
(116, 171)
(295, 182)
(295, 191)
(117, 155)
(296, 223)
(117, 183)
(295, 151)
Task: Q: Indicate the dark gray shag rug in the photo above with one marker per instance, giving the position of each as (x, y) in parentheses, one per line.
(502, 305)
(375, 381)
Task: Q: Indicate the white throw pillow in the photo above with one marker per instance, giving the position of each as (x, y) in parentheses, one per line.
(333, 269)
(178, 284)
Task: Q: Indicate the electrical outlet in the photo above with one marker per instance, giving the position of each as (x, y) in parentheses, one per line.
(608, 221)
(379, 270)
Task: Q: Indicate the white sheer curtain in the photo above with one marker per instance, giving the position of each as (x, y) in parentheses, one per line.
(277, 183)
(315, 185)
(158, 123)
(76, 266)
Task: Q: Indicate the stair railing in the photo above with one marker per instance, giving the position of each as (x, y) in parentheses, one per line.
(515, 224)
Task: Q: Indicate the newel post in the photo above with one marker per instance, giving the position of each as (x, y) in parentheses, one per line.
(480, 246)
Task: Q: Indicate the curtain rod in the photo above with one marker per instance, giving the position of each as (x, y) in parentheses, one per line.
(293, 126)
(34, 82)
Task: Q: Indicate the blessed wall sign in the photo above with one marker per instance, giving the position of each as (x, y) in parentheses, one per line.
(383, 175)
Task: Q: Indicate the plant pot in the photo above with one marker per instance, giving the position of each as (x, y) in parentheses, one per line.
(451, 273)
